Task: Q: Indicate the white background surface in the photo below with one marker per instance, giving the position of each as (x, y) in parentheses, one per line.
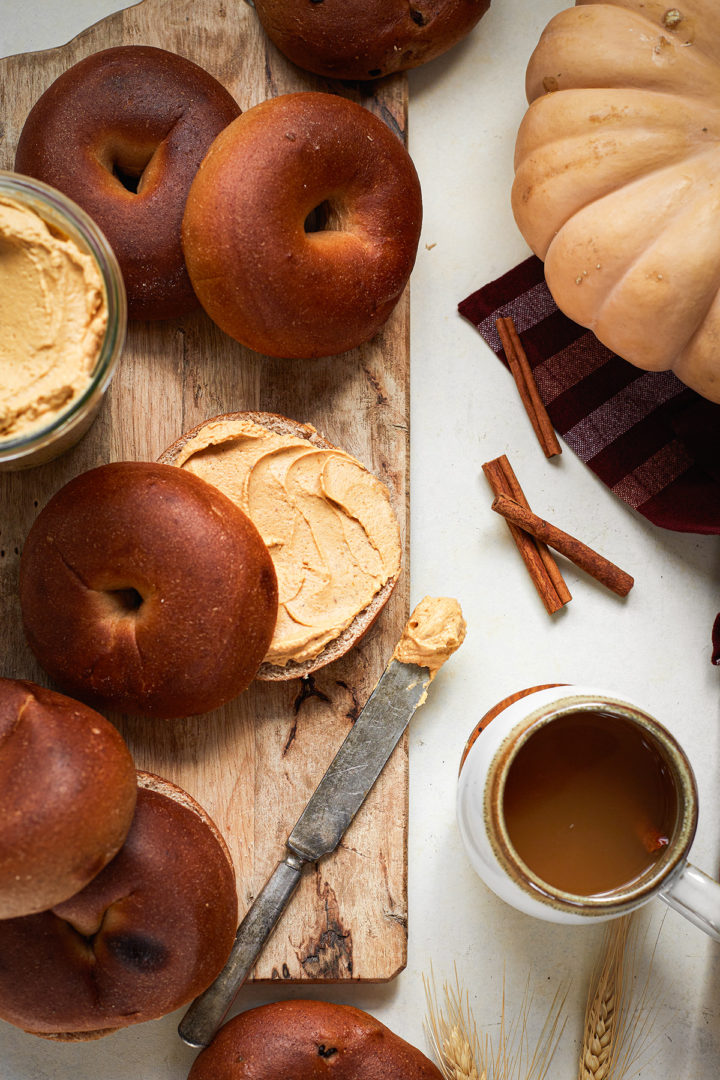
(654, 646)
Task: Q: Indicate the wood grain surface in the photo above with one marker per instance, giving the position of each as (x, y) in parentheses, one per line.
(254, 763)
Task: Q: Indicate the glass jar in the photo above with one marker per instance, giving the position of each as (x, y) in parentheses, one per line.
(50, 438)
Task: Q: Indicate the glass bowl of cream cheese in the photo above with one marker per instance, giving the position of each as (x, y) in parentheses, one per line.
(63, 318)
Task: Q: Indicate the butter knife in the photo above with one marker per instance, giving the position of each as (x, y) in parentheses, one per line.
(318, 831)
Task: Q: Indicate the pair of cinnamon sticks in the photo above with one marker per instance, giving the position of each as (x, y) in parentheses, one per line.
(533, 536)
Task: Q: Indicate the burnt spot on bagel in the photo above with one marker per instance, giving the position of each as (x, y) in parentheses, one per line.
(326, 1051)
(137, 951)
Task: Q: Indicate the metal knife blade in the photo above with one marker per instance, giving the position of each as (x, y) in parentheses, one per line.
(359, 761)
(332, 806)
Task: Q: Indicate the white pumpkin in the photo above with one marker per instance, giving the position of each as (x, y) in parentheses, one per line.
(617, 183)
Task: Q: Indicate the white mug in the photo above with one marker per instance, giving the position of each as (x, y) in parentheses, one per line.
(482, 813)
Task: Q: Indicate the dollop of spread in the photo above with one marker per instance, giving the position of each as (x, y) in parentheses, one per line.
(434, 631)
(53, 316)
(326, 521)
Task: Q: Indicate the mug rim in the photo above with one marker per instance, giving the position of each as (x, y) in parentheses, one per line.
(670, 860)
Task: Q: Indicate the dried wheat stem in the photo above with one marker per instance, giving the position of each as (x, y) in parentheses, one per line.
(603, 1016)
(462, 1055)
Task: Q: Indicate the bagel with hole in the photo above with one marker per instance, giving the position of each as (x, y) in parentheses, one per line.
(328, 524)
(309, 1040)
(301, 226)
(366, 39)
(148, 934)
(144, 589)
(122, 133)
(67, 796)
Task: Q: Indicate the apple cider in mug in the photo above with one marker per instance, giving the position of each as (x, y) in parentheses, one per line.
(589, 803)
(575, 804)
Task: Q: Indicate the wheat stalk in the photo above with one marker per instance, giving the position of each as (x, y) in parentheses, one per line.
(453, 1035)
(618, 1022)
(462, 1054)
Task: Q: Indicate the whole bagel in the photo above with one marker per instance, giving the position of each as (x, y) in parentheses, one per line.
(365, 39)
(309, 1040)
(122, 133)
(147, 935)
(146, 590)
(302, 225)
(67, 796)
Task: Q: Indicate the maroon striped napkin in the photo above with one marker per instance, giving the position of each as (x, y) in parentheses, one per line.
(648, 437)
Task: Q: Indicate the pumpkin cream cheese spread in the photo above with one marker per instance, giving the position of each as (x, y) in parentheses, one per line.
(53, 317)
(327, 522)
(434, 631)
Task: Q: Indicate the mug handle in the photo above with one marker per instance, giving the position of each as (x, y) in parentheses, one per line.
(697, 897)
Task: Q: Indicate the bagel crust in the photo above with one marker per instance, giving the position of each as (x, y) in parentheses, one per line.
(146, 590)
(67, 796)
(124, 117)
(366, 39)
(147, 935)
(266, 275)
(309, 1040)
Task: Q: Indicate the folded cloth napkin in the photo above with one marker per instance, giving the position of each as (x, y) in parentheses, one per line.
(653, 441)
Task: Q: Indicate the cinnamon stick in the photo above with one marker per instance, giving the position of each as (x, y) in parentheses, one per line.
(527, 387)
(541, 566)
(604, 571)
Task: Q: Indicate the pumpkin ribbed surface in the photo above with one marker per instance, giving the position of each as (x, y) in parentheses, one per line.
(617, 178)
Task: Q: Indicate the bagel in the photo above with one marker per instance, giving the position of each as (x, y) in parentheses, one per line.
(67, 796)
(122, 133)
(328, 523)
(309, 1040)
(366, 39)
(148, 934)
(301, 226)
(146, 590)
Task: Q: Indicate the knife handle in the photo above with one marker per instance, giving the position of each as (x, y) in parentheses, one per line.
(208, 1011)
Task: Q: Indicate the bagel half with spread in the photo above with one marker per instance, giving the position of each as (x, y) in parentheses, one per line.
(146, 936)
(302, 225)
(309, 1040)
(144, 589)
(122, 133)
(67, 796)
(327, 522)
(366, 39)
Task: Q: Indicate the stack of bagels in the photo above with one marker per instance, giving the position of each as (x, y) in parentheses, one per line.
(117, 893)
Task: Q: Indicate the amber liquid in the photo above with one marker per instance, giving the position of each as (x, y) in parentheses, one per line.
(589, 803)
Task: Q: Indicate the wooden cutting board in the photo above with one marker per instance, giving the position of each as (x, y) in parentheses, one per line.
(254, 763)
